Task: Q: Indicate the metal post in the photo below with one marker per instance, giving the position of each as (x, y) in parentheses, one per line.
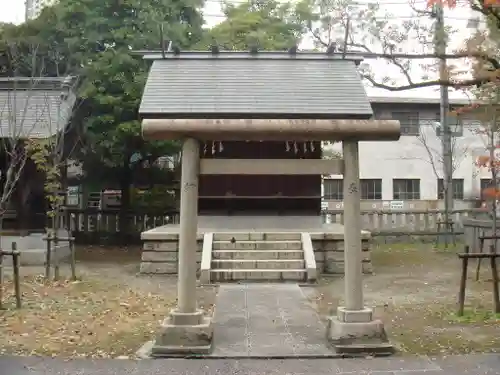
(17, 279)
(73, 257)
(1, 279)
(440, 43)
(48, 254)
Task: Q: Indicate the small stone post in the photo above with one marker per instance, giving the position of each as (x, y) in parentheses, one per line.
(353, 329)
(186, 330)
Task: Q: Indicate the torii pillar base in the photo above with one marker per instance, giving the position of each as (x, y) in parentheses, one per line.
(184, 334)
(357, 333)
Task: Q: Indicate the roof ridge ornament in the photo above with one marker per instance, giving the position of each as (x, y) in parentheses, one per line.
(332, 48)
(163, 42)
(254, 50)
(176, 50)
(214, 48)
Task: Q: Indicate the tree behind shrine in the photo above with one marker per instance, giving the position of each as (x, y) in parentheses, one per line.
(96, 37)
(268, 25)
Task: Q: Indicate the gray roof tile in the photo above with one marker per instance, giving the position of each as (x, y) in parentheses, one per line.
(272, 86)
(34, 111)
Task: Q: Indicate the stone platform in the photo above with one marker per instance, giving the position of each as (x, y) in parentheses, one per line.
(33, 248)
(252, 235)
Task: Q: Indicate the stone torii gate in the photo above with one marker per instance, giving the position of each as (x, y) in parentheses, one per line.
(187, 329)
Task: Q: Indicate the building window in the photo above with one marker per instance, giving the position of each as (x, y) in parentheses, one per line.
(485, 183)
(456, 125)
(410, 122)
(458, 188)
(371, 189)
(406, 189)
(333, 189)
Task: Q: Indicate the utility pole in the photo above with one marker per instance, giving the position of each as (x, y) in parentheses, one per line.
(28, 10)
(494, 177)
(440, 42)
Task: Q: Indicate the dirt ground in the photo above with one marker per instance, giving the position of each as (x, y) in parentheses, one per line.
(112, 310)
(109, 312)
(414, 291)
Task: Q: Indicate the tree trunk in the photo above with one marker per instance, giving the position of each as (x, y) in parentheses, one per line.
(125, 182)
(22, 195)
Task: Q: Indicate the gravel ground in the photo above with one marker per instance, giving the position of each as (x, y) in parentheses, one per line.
(414, 291)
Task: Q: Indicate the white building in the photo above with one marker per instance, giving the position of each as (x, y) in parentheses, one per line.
(34, 7)
(408, 171)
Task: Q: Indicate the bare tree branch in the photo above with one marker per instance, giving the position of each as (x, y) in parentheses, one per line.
(373, 36)
(486, 10)
(437, 82)
(430, 154)
(419, 11)
(28, 119)
(459, 55)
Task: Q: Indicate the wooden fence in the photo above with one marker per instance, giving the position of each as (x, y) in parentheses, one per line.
(402, 222)
(92, 225)
(103, 226)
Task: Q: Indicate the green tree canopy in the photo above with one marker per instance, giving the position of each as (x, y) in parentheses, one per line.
(94, 40)
(99, 37)
(269, 25)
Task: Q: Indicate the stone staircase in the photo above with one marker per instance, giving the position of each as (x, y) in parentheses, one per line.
(256, 257)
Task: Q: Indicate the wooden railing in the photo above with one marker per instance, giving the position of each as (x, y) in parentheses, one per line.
(95, 226)
(92, 225)
(414, 222)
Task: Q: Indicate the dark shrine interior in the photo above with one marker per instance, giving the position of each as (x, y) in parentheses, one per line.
(260, 194)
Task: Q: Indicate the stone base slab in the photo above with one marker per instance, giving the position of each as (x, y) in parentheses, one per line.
(358, 316)
(329, 255)
(37, 257)
(178, 318)
(176, 339)
(362, 338)
(166, 351)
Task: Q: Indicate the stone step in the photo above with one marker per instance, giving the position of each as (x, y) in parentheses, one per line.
(257, 254)
(260, 264)
(178, 351)
(257, 245)
(374, 349)
(258, 275)
(257, 236)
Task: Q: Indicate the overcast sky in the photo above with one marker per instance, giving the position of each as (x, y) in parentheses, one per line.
(13, 11)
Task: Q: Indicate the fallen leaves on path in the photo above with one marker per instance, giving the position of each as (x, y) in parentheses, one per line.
(91, 318)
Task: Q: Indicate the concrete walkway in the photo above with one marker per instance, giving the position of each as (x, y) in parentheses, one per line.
(267, 321)
(486, 364)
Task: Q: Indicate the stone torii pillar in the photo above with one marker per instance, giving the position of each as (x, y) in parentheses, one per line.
(354, 329)
(188, 224)
(353, 268)
(187, 329)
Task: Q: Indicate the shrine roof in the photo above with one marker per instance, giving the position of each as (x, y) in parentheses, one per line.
(258, 85)
(35, 108)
